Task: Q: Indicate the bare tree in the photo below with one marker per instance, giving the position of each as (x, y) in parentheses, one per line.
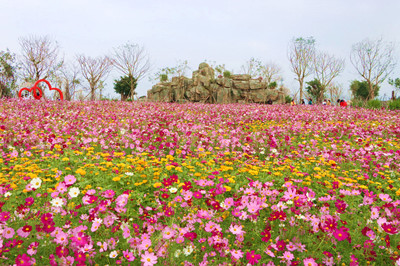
(68, 79)
(374, 61)
(251, 67)
(301, 55)
(270, 72)
(335, 91)
(40, 57)
(132, 61)
(326, 68)
(94, 70)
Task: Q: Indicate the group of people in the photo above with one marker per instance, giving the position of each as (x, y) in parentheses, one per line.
(340, 102)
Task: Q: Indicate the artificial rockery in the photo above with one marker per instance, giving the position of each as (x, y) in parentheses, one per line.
(204, 87)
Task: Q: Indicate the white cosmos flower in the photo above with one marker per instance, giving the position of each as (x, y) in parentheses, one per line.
(7, 194)
(74, 192)
(36, 183)
(177, 253)
(57, 202)
(113, 254)
(129, 173)
(188, 250)
(173, 189)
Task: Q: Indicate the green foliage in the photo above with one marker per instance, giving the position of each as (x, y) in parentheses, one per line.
(124, 84)
(165, 73)
(273, 85)
(360, 90)
(395, 82)
(394, 105)
(358, 103)
(163, 77)
(7, 73)
(288, 99)
(374, 104)
(315, 90)
(227, 74)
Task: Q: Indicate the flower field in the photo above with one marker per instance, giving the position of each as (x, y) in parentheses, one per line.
(118, 183)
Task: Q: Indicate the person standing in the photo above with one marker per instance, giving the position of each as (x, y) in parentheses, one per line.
(309, 101)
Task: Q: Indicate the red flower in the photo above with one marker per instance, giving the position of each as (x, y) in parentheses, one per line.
(197, 195)
(252, 257)
(388, 228)
(280, 245)
(62, 251)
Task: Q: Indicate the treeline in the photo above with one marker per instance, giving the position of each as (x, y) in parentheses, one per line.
(83, 77)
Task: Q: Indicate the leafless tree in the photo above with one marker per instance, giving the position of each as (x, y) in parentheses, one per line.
(270, 72)
(301, 55)
(374, 61)
(40, 57)
(335, 91)
(251, 67)
(94, 70)
(133, 61)
(68, 79)
(326, 68)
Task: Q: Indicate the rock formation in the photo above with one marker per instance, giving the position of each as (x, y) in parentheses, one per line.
(204, 87)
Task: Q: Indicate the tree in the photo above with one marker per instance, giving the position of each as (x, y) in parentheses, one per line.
(395, 83)
(301, 56)
(124, 86)
(315, 90)
(7, 73)
(269, 72)
(361, 90)
(68, 79)
(132, 61)
(165, 73)
(335, 91)
(94, 70)
(39, 58)
(326, 68)
(251, 67)
(374, 61)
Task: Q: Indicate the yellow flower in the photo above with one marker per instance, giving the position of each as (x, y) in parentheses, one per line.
(156, 185)
(117, 178)
(80, 171)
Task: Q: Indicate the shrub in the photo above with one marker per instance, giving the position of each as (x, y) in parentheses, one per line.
(227, 74)
(288, 99)
(163, 77)
(374, 104)
(395, 104)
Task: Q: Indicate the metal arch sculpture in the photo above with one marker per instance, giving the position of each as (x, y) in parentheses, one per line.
(38, 95)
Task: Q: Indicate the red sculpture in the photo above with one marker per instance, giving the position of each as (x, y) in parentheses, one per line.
(38, 95)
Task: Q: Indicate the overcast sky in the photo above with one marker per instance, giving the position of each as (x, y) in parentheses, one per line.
(227, 32)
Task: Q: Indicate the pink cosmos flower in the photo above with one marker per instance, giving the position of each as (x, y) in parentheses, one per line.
(128, 255)
(146, 244)
(310, 262)
(288, 256)
(109, 194)
(385, 197)
(168, 233)
(149, 259)
(236, 254)
(32, 249)
(236, 229)
(69, 180)
(197, 195)
(103, 246)
(8, 232)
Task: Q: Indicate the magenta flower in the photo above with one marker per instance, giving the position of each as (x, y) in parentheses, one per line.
(252, 257)
(388, 228)
(23, 260)
(341, 234)
(128, 255)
